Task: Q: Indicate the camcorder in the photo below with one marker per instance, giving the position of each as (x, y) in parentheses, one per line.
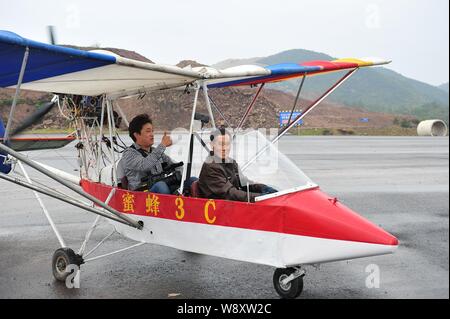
(170, 175)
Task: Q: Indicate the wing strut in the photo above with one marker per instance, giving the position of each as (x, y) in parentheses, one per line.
(16, 95)
(249, 109)
(314, 104)
(208, 104)
(55, 195)
(218, 110)
(300, 116)
(129, 221)
(187, 168)
(296, 98)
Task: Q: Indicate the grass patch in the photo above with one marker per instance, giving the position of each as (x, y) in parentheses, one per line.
(49, 131)
(64, 131)
(354, 131)
(358, 131)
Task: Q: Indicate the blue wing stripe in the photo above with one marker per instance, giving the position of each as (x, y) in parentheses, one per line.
(276, 70)
(44, 60)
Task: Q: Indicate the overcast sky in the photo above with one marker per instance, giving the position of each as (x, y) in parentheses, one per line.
(413, 33)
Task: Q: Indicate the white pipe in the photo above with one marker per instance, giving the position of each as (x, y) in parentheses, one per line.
(432, 128)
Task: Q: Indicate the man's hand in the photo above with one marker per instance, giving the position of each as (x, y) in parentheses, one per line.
(166, 140)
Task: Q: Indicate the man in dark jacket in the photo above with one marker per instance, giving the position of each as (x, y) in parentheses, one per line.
(220, 177)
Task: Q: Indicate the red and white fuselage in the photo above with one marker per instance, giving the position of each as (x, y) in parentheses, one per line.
(304, 227)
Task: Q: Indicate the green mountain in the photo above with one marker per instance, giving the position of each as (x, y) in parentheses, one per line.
(375, 89)
(444, 87)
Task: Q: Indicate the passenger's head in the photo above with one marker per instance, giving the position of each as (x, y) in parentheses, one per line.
(221, 142)
(141, 130)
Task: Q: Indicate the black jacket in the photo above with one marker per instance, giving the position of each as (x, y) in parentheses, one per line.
(222, 180)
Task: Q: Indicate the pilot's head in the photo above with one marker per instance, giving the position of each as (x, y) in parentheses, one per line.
(221, 142)
(141, 130)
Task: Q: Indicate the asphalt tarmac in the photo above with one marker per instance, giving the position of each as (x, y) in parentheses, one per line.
(399, 183)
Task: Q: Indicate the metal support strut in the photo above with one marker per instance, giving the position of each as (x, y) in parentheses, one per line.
(44, 209)
(314, 104)
(91, 230)
(208, 104)
(16, 95)
(296, 98)
(297, 273)
(299, 117)
(188, 166)
(111, 127)
(114, 252)
(218, 110)
(128, 220)
(249, 108)
(55, 195)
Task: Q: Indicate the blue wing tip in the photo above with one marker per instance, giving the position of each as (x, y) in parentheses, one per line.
(11, 37)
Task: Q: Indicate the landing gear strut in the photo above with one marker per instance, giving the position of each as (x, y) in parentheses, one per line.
(288, 282)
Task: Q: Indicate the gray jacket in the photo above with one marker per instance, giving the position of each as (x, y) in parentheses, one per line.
(135, 166)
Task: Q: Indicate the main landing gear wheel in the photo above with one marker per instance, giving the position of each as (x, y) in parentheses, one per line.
(62, 258)
(291, 289)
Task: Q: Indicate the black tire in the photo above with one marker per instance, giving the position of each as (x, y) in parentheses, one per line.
(63, 257)
(293, 289)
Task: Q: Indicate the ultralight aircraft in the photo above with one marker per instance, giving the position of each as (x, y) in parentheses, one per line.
(297, 226)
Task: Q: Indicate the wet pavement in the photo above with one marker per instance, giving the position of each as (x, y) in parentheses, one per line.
(399, 183)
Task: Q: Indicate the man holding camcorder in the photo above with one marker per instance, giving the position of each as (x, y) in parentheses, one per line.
(146, 167)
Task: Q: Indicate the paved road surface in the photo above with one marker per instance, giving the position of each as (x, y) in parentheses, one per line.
(399, 183)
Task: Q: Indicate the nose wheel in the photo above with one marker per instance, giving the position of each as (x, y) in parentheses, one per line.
(288, 282)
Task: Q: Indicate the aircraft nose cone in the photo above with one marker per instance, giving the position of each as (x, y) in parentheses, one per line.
(316, 214)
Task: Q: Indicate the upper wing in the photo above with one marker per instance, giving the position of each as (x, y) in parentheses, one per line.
(57, 69)
(287, 71)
